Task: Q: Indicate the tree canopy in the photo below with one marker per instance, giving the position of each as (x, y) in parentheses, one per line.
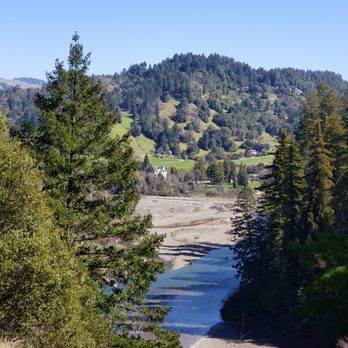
(46, 295)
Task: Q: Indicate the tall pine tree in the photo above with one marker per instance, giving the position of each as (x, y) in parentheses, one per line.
(320, 184)
(91, 179)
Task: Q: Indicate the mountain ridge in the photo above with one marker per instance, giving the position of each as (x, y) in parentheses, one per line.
(21, 82)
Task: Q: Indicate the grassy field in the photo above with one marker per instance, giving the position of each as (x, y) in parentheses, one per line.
(255, 184)
(172, 162)
(168, 109)
(141, 145)
(202, 153)
(146, 144)
(182, 146)
(255, 160)
(123, 127)
(197, 135)
(239, 150)
(182, 124)
(269, 139)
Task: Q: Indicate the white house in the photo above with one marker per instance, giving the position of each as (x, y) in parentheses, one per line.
(160, 171)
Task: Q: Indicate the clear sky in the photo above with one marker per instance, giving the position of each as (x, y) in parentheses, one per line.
(308, 34)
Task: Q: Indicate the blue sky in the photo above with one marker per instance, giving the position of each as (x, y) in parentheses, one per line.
(308, 34)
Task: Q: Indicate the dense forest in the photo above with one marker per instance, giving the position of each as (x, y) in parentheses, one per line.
(214, 101)
(291, 253)
(218, 97)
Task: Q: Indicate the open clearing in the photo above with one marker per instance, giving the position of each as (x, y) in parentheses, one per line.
(255, 160)
(185, 164)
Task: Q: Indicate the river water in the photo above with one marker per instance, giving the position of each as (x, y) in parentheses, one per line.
(196, 293)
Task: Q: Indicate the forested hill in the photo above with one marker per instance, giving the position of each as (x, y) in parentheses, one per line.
(212, 100)
(202, 94)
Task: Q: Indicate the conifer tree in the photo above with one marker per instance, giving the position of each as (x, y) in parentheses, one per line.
(323, 107)
(341, 187)
(244, 235)
(146, 165)
(215, 172)
(323, 300)
(46, 296)
(284, 205)
(243, 177)
(229, 170)
(334, 131)
(302, 259)
(294, 196)
(310, 116)
(274, 188)
(91, 179)
(200, 170)
(320, 183)
(339, 147)
(135, 128)
(234, 176)
(253, 251)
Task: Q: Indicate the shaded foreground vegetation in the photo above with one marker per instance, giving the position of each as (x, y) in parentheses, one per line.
(292, 255)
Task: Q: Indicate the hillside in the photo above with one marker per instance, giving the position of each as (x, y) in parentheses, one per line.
(21, 82)
(192, 105)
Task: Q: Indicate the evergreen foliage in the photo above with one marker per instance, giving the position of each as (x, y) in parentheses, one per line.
(91, 180)
(241, 101)
(243, 177)
(46, 296)
(291, 254)
(215, 172)
(146, 165)
(200, 170)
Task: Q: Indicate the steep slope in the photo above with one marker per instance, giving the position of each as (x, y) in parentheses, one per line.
(191, 100)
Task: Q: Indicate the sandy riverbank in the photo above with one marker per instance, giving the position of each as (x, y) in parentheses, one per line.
(192, 225)
(223, 335)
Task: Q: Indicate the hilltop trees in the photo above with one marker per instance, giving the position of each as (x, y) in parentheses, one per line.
(91, 180)
(208, 88)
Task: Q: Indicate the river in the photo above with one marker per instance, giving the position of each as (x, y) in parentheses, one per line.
(196, 293)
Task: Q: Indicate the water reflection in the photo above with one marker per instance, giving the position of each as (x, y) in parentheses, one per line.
(195, 292)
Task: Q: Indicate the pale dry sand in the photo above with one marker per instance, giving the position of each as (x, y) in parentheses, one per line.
(208, 342)
(223, 335)
(192, 225)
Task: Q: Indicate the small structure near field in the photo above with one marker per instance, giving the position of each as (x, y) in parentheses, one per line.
(160, 171)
